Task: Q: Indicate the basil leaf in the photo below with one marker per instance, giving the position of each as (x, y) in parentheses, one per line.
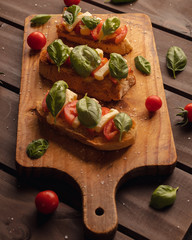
(163, 196)
(89, 112)
(176, 59)
(40, 19)
(110, 25)
(37, 148)
(71, 13)
(84, 60)
(90, 22)
(118, 66)
(56, 97)
(58, 52)
(123, 123)
(142, 65)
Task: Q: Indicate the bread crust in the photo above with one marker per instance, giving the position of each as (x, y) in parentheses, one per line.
(122, 48)
(81, 134)
(104, 90)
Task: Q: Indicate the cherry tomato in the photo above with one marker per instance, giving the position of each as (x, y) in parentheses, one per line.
(105, 110)
(121, 34)
(71, 2)
(36, 40)
(44, 104)
(70, 112)
(68, 62)
(188, 108)
(96, 31)
(46, 202)
(103, 61)
(153, 103)
(77, 28)
(110, 130)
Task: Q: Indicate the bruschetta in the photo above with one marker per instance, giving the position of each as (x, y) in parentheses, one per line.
(84, 28)
(85, 120)
(86, 70)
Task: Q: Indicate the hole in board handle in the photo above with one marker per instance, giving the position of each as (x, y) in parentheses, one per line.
(99, 211)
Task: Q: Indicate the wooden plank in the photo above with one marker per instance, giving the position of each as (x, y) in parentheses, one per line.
(11, 43)
(8, 121)
(174, 15)
(182, 135)
(19, 218)
(183, 79)
(159, 155)
(17, 13)
(171, 223)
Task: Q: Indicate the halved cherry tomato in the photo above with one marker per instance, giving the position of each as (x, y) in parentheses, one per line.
(121, 33)
(77, 28)
(110, 130)
(105, 110)
(69, 112)
(103, 61)
(44, 104)
(46, 201)
(68, 62)
(96, 31)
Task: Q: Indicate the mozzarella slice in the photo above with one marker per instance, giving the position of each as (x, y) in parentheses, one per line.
(70, 96)
(102, 72)
(104, 119)
(100, 52)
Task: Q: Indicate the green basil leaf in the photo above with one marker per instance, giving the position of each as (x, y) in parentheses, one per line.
(84, 60)
(56, 97)
(37, 148)
(40, 19)
(176, 59)
(89, 112)
(163, 196)
(118, 66)
(71, 13)
(58, 52)
(110, 25)
(90, 22)
(123, 123)
(142, 65)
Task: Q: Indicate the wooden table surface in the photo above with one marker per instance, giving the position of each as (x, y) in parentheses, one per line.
(19, 220)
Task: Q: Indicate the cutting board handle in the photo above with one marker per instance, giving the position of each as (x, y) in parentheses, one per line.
(99, 212)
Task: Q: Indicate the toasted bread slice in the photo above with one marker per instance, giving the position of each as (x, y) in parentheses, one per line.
(122, 48)
(81, 133)
(104, 90)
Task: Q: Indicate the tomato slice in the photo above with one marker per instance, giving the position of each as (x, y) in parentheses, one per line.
(44, 104)
(69, 112)
(77, 28)
(121, 33)
(110, 130)
(103, 61)
(96, 31)
(68, 62)
(105, 110)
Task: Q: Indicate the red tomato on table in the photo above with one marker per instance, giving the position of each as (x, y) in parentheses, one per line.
(153, 103)
(36, 40)
(46, 202)
(71, 2)
(188, 108)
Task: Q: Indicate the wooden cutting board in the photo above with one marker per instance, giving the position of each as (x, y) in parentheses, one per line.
(99, 173)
